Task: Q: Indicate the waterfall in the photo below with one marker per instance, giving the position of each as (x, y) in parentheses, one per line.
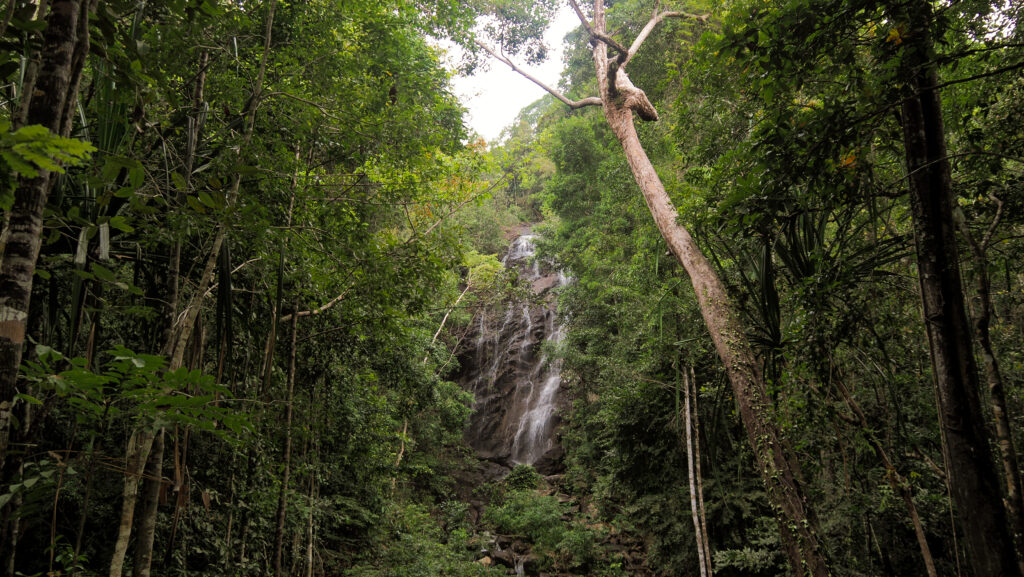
(515, 385)
(533, 437)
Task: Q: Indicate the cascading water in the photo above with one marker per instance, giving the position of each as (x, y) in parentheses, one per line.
(515, 385)
(533, 437)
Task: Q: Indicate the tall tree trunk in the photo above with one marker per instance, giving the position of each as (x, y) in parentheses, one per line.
(46, 106)
(150, 501)
(89, 479)
(993, 375)
(282, 500)
(972, 473)
(28, 84)
(700, 477)
(168, 301)
(177, 338)
(137, 453)
(77, 67)
(309, 527)
(780, 474)
(180, 334)
(696, 501)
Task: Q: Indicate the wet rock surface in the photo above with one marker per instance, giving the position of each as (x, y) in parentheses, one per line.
(518, 401)
(551, 462)
(515, 384)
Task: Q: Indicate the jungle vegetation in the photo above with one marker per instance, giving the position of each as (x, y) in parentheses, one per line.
(244, 243)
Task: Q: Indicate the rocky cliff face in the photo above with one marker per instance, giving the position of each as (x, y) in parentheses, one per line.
(516, 386)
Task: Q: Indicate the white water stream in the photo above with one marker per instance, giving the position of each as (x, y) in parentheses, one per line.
(515, 383)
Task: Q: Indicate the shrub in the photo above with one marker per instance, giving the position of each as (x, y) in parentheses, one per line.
(533, 516)
(415, 549)
(522, 477)
(578, 547)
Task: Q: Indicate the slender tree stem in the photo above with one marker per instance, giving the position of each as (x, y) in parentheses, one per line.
(282, 501)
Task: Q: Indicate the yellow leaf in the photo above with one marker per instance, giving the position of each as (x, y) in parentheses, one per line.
(895, 35)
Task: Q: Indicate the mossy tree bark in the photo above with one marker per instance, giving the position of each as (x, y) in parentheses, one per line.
(65, 44)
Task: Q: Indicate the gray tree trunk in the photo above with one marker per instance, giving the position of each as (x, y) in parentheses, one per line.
(150, 501)
(282, 501)
(693, 469)
(137, 453)
(798, 528)
(983, 311)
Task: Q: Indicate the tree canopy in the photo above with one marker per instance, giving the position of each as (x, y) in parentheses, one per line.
(246, 245)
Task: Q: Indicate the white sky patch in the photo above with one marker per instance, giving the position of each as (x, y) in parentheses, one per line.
(495, 96)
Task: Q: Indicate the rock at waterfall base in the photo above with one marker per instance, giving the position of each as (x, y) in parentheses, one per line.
(552, 462)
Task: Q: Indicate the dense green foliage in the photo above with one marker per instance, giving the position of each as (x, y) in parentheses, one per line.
(780, 148)
(322, 142)
(270, 232)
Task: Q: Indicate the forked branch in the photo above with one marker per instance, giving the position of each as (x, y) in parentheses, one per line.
(581, 16)
(624, 54)
(598, 34)
(649, 27)
(574, 104)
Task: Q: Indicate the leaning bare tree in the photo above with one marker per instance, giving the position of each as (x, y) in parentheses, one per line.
(620, 100)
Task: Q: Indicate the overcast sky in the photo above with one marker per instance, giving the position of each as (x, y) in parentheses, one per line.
(494, 97)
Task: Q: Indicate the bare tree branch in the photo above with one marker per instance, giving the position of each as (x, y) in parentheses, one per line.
(589, 101)
(612, 43)
(582, 17)
(994, 72)
(987, 240)
(318, 310)
(649, 27)
(597, 34)
(323, 109)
